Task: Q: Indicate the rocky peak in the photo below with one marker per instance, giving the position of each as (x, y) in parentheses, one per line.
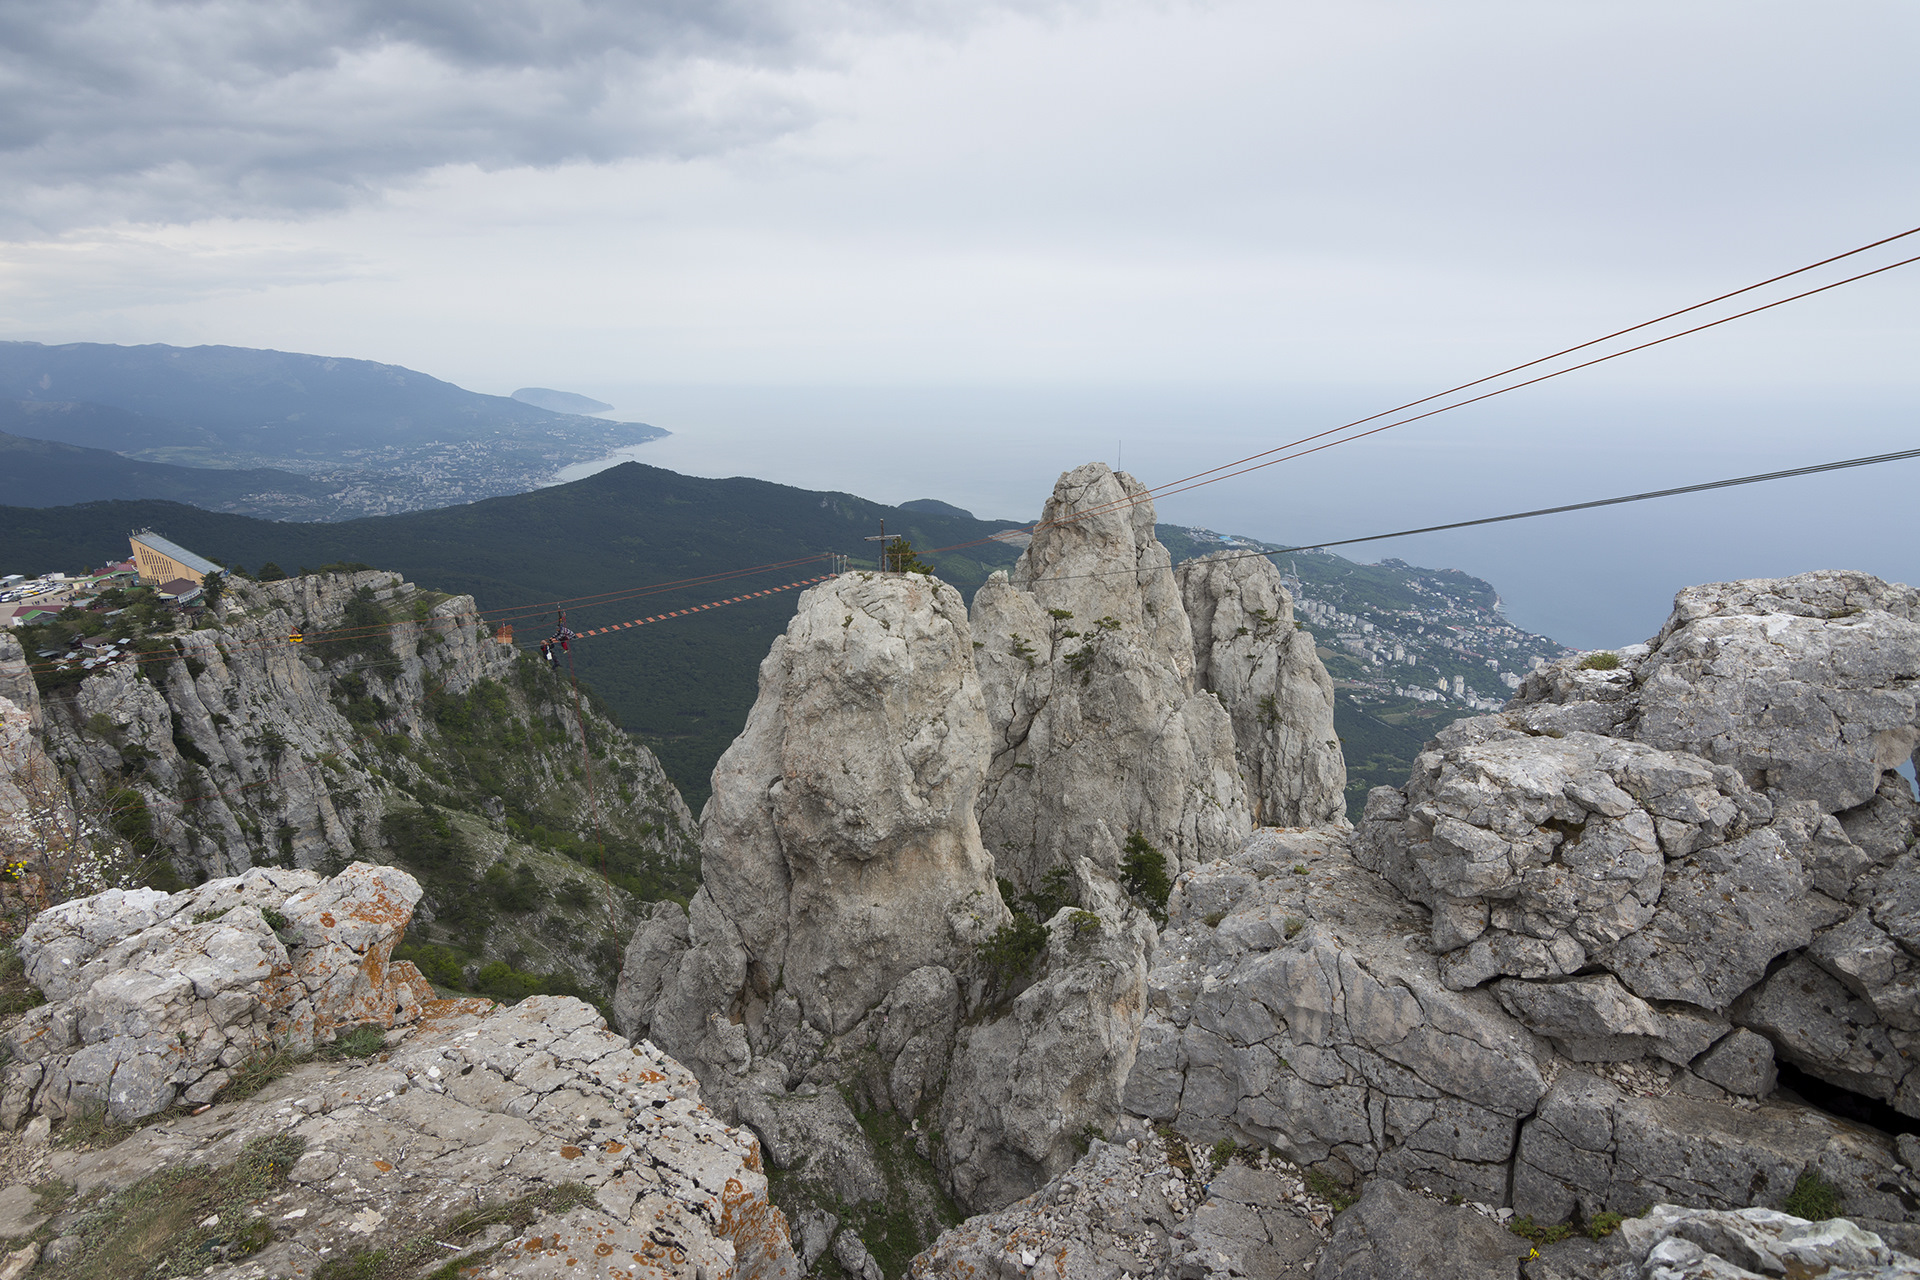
(1249, 652)
(1806, 685)
(840, 851)
(1086, 659)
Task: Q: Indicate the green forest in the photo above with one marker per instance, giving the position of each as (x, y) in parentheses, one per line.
(683, 688)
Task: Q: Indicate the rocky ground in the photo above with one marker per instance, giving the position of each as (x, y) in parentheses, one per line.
(521, 1141)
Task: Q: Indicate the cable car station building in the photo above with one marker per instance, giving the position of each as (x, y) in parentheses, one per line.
(166, 564)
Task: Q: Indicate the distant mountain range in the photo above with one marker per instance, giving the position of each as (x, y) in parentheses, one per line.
(560, 401)
(375, 438)
(454, 478)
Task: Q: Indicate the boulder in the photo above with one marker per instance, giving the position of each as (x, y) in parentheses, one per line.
(1741, 1064)
(1593, 1147)
(1540, 855)
(1251, 654)
(1805, 685)
(152, 996)
(1098, 727)
(1669, 1242)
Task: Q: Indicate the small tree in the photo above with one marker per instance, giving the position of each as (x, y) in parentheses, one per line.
(899, 558)
(1143, 869)
(213, 586)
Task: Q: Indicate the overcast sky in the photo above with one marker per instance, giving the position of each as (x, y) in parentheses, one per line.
(948, 248)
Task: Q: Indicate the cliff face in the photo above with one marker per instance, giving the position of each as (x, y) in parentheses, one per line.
(1555, 970)
(1250, 653)
(1087, 661)
(840, 848)
(397, 729)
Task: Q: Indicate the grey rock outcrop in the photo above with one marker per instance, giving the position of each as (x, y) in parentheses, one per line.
(827, 959)
(240, 707)
(1537, 854)
(1674, 1243)
(1806, 685)
(1296, 1003)
(1250, 653)
(1025, 1089)
(1594, 1147)
(16, 681)
(1713, 824)
(154, 999)
(1132, 1207)
(477, 1106)
(31, 789)
(226, 747)
(1099, 729)
(1302, 1020)
(841, 851)
(1394, 1233)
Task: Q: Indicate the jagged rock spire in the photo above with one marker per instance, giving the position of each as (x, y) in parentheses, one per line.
(1087, 664)
(1248, 651)
(840, 849)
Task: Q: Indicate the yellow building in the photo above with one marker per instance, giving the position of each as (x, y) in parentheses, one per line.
(161, 562)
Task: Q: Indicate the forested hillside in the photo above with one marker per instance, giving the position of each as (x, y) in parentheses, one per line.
(683, 687)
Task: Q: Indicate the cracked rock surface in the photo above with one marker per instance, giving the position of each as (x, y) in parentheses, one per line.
(1134, 1207)
(1099, 727)
(1248, 652)
(478, 1105)
(154, 998)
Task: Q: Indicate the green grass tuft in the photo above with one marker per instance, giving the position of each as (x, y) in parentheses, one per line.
(1813, 1198)
(1601, 661)
(157, 1226)
(1331, 1189)
(1527, 1229)
(1602, 1225)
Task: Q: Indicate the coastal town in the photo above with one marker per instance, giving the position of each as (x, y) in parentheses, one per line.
(1393, 631)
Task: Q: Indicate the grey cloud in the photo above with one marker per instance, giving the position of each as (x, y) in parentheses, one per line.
(168, 110)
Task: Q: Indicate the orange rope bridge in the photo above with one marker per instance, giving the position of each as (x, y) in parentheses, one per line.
(714, 604)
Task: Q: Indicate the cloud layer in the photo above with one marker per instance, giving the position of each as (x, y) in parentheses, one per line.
(172, 110)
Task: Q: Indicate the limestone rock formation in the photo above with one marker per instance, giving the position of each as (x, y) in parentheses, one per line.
(1393, 1233)
(1250, 653)
(1713, 825)
(841, 852)
(229, 747)
(1536, 854)
(1027, 1084)
(475, 1107)
(154, 999)
(1296, 1004)
(1674, 1243)
(1301, 1019)
(1135, 1206)
(845, 890)
(1099, 729)
(1805, 685)
(31, 789)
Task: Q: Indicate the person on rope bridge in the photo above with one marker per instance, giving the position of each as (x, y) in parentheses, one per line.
(558, 643)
